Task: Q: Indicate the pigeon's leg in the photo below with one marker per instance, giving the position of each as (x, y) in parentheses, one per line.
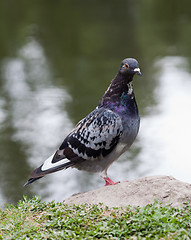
(108, 181)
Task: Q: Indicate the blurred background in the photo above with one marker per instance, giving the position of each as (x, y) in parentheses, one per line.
(56, 60)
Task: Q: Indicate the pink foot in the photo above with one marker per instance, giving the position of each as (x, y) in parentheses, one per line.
(108, 181)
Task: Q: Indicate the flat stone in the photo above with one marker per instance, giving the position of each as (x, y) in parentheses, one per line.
(139, 192)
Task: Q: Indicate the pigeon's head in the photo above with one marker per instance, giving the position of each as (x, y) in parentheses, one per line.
(129, 67)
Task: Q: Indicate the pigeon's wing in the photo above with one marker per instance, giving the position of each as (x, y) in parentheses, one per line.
(93, 137)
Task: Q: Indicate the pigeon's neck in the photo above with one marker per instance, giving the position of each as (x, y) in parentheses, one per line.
(120, 88)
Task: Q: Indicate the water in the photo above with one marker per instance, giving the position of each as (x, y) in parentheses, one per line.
(56, 61)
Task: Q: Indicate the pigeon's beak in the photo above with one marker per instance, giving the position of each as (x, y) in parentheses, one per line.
(138, 71)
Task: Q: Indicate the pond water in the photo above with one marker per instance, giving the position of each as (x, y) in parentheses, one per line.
(56, 61)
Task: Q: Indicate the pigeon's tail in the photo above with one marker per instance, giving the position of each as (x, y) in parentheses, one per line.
(31, 180)
(48, 167)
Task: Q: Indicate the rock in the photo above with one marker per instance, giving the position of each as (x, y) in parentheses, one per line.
(140, 192)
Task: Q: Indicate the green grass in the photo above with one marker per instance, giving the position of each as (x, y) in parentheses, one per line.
(33, 219)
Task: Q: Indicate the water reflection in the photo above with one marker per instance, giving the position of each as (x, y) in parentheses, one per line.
(165, 132)
(36, 109)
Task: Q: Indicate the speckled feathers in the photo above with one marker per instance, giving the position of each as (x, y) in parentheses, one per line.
(95, 135)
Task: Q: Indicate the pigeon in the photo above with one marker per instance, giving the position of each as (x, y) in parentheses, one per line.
(102, 136)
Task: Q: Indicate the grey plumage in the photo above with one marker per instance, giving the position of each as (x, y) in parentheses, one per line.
(102, 136)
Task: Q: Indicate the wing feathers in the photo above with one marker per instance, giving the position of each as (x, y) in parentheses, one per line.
(95, 135)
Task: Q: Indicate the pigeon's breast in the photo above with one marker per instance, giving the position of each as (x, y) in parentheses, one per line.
(127, 109)
(130, 121)
(131, 128)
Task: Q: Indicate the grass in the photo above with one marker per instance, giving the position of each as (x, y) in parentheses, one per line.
(33, 219)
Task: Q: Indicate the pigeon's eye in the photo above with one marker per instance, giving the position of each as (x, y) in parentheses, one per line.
(126, 65)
